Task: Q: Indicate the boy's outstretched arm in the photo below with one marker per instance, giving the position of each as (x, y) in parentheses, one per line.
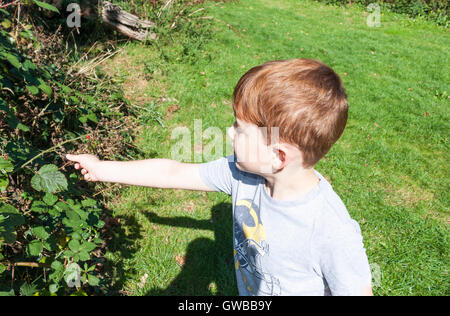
(157, 173)
(368, 291)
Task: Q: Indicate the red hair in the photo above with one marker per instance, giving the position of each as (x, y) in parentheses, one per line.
(304, 98)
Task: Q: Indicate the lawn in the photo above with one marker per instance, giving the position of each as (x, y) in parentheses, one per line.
(390, 167)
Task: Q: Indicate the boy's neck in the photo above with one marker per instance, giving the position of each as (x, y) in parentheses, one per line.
(288, 186)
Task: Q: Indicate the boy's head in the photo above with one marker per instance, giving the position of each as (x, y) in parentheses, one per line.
(304, 101)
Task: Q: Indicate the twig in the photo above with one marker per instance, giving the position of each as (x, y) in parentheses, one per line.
(108, 188)
(10, 178)
(201, 9)
(103, 58)
(8, 89)
(82, 57)
(49, 150)
(41, 113)
(2, 6)
(164, 7)
(74, 41)
(31, 264)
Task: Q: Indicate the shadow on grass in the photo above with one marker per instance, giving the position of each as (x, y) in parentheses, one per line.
(119, 244)
(208, 268)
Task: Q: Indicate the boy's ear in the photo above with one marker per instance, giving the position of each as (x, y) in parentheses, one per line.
(283, 154)
(279, 157)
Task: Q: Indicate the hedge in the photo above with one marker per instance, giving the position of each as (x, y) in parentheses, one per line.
(435, 10)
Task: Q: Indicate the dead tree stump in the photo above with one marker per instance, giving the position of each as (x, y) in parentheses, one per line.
(126, 23)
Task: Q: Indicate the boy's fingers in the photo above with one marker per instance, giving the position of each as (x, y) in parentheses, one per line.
(74, 158)
(70, 157)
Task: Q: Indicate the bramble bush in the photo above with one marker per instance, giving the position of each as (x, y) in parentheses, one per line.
(50, 231)
(54, 236)
(435, 10)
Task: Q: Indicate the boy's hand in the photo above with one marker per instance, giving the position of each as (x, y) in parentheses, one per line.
(88, 163)
(155, 173)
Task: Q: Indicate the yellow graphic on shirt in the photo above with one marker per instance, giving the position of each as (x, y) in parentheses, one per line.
(251, 249)
(256, 233)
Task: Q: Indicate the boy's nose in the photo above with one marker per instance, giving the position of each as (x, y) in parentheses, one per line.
(230, 132)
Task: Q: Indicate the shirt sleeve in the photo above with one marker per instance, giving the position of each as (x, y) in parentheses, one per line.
(218, 174)
(344, 263)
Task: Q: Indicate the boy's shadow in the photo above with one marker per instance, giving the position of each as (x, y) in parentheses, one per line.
(208, 267)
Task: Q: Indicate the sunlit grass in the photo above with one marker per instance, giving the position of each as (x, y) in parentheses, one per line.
(390, 167)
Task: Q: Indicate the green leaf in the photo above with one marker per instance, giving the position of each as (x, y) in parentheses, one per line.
(69, 253)
(33, 90)
(83, 119)
(92, 117)
(88, 246)
(84, 256)
(76, 236)
(46, 6)
(53, 288)
(27, 34)
(50, 199)
(13, 60)
(40, 232)
(12, 214)
(2, 268)
(80, 292)
(74, 245)
(12, 121)
(39, 207)
(11, 219)
(54, 212)
(6, 24)
(4, 181)
(23, 127)
(89, 202)
(57, 266)
(35, 247)
(72, 215)
(61, 207)
(29, 65)
(6, 165)
(49, 180)
(75, 100)
(44, 87)
(93, 280)
(3, 104)
(28, 289)
(51, 244)
(64, 88)
(10, 293)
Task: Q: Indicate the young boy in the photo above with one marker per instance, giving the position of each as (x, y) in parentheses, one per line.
(292, 233)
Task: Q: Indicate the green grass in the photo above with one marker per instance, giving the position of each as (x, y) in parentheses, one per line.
(390, 167)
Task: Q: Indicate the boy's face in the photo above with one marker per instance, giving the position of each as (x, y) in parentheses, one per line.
(250, 149)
